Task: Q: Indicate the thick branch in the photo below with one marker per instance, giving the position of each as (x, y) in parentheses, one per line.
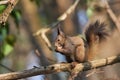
(61, 67)
(5, 14)
(4, 2)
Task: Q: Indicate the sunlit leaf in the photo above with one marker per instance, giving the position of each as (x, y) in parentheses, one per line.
(89, 12)
(7, 48)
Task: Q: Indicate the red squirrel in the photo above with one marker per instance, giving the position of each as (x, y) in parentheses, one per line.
(76, 48)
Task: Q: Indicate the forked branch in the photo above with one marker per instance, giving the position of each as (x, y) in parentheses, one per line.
(43, 31)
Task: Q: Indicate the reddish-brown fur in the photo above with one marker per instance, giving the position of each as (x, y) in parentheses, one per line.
(76, 48)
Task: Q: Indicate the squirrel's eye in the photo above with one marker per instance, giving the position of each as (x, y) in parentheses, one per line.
(58, 40)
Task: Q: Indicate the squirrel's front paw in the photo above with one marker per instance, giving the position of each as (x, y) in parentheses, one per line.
(73, 64)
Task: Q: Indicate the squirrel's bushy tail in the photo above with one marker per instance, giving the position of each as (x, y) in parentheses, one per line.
(96, 32)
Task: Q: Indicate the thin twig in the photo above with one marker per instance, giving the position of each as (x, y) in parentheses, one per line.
(6, 68)
(112, 15)
(69, 11)
(60, 68)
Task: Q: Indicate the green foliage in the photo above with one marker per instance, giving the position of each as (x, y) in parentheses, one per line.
(7, 48)
(4, 30)
(89, 12)
(2, 8)
(94, 6)
(10, 39)
(16, 14)
(90, 9)
(7, 41)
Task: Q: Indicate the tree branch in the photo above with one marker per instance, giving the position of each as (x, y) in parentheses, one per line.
(4, 2)
(5, 14)
(60, 18)
(43, 31)
(61, 67)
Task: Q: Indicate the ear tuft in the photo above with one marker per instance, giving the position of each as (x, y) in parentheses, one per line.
(60, 32)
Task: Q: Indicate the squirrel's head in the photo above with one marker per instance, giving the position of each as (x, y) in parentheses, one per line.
(60, 40)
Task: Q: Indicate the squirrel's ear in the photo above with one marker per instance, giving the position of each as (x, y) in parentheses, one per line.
(60, 31)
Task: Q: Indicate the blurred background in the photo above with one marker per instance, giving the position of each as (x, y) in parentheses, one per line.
(20, 50)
